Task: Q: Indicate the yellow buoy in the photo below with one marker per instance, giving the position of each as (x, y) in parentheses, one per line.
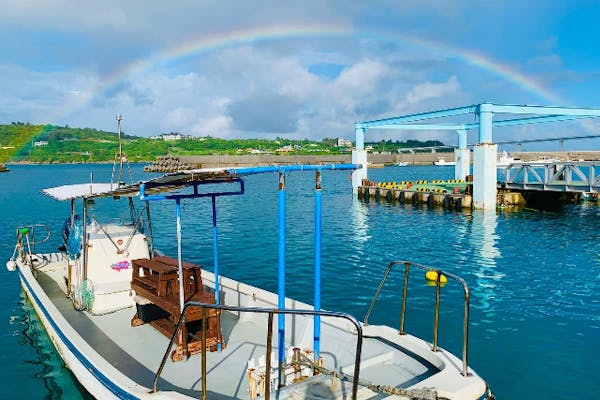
(433, 276)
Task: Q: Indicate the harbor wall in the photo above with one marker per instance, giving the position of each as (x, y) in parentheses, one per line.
(173, 163)
(170, 163)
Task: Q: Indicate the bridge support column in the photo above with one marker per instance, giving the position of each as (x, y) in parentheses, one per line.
(462, 156)
(359, 156)
(463, 163)
(484, 176)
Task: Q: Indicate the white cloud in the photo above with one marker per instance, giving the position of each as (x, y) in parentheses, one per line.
(428, 90)
(361, 77)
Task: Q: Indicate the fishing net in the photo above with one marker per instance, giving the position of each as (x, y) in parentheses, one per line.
(83, 295)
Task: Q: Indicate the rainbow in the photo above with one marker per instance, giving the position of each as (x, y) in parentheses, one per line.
(213, 43)
(474, 59)
(206, 44)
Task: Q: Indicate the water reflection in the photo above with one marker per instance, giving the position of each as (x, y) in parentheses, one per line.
(360, 228)
(484, 242)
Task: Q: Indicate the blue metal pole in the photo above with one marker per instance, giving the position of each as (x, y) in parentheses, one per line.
(317, 305)
(179, 263)
(216, 257)
(281, 279)
(290, 168)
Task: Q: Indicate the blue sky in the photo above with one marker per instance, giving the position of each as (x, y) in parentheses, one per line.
(299, 69)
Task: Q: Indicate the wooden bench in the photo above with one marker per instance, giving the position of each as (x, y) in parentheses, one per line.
(191, 273)
(158, 276)
(157, 281)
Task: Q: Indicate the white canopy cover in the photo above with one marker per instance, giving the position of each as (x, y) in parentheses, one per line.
(77, 191)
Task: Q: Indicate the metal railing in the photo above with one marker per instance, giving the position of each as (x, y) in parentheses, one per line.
(438, 284)
(26, 250)
(564, 176)
(29, 232)
(270, 312)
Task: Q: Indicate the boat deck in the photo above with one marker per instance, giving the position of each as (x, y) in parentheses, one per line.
(138, 351)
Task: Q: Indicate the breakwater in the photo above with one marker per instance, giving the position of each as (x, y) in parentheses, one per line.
(173, 163)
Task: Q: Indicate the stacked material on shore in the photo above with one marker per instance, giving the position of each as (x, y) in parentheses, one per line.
(168, 164)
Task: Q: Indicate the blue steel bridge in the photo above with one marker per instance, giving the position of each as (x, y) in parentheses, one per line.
(557, 176)
(560, 176)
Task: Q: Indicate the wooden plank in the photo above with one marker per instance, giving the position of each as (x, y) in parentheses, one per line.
(152, 265)
(174, 263)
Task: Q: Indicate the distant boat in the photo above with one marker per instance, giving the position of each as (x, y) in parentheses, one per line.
(442, 162)
(544, 160)
(3, 168)
(401, 164)
(505, 160)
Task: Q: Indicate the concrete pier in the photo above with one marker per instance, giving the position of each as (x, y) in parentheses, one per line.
(451, 194)
(455, 194)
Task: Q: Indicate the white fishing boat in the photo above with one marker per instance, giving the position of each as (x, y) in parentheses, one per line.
(505, 160)
(442, 162)
(132, 323)
(544, 160)
(401, 164)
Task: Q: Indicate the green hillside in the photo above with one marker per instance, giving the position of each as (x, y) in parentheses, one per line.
(13, 137)
(54, 144)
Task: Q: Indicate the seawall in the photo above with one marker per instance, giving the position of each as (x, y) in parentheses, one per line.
(173, 163)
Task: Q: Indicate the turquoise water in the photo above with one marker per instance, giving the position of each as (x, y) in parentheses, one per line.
(534, 276)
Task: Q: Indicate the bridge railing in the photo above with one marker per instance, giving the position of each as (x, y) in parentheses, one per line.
(563, 176)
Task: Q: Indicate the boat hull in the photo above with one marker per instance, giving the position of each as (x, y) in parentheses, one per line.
(99, 378)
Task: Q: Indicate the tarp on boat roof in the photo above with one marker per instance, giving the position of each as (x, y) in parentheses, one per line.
(77, 191)
(176, 180)
(183, 178)
(166, 182)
